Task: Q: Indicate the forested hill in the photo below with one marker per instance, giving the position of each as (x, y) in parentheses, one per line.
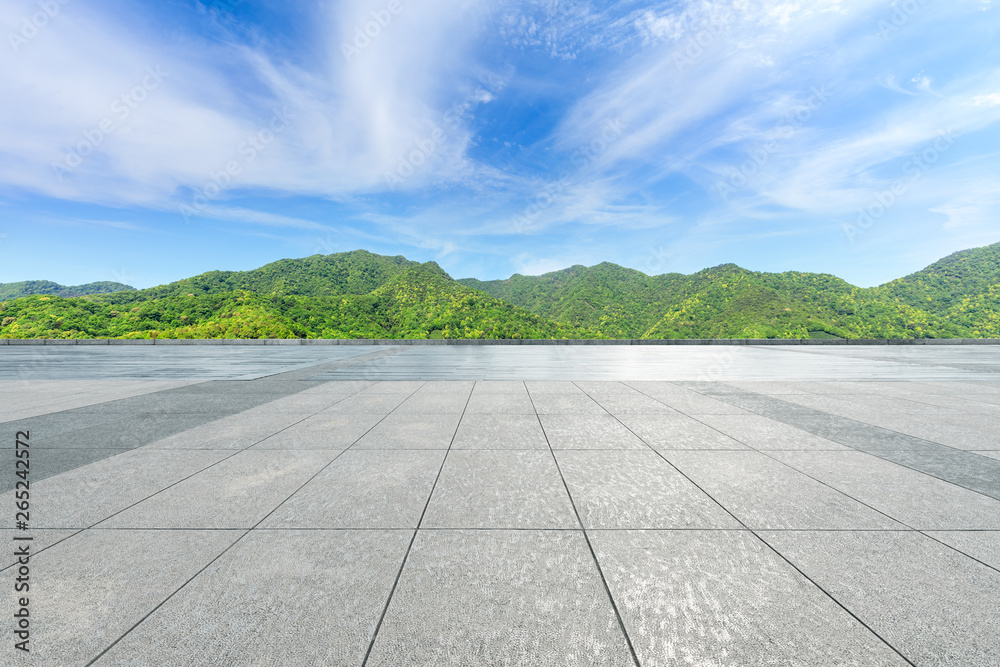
(945, 282)
(356, 272)
(958, 296)
(30, 287)
(362, 295)
(622, 301)
(409, 300)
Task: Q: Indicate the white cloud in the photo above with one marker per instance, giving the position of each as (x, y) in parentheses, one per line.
(354, 119)
(890, 82)
(961, 215)
(528, 265)
(922, 82)
(254, 217)
(696, 105)
(694, 83)
(991, 100)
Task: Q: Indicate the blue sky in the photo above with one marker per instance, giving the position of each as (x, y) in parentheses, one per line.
(147, 142)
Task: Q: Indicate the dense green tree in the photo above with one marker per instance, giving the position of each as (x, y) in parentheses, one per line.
(49, 288)
(362, 295)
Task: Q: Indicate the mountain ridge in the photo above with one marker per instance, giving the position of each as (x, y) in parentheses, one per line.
(360, 294)
(47, 287)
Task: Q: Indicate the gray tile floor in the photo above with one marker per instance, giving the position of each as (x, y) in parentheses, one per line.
(506, 506)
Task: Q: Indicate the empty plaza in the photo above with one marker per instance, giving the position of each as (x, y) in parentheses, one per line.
(716, 505)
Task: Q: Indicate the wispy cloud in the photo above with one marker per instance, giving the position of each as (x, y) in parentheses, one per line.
(256, 217)
(437, 126)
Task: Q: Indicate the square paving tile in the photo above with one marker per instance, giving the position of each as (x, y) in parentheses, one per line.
(398, 387)
(381, 404)
(538, 387)
(768, 434)
(233, 432)
(81, 497)
(636, 489)
(566, 404)
(299, 404)
(690, 597)
(500, 489)
(500, 432)
(436, 403)
(684, 400)
(48, 462)
(328, 430)
(119, 431)
(635, 404)
(678, 431)
(539, 600)
(764, 493)
(933, 604)
(364, 489)
(918, 500)
(588, 432)
(305, 598)
(500, 403)
(236, 493)
(983, 545)
(984, 423)
(403, 430)
(99, 583)
(41, 539)
(343, 387)
(337, 474)
(929, 428)
(499, 388)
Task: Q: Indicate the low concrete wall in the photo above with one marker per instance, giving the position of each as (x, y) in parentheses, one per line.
(365, 341)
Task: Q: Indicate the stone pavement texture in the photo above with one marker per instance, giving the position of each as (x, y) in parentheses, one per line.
(591, 505)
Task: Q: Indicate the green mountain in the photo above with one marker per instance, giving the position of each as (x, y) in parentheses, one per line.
(945, 283)
(410, 300)
(621, 302)
(357, 272)
(955, 297)
(363, 295)
(962, 289)
(30, 287)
